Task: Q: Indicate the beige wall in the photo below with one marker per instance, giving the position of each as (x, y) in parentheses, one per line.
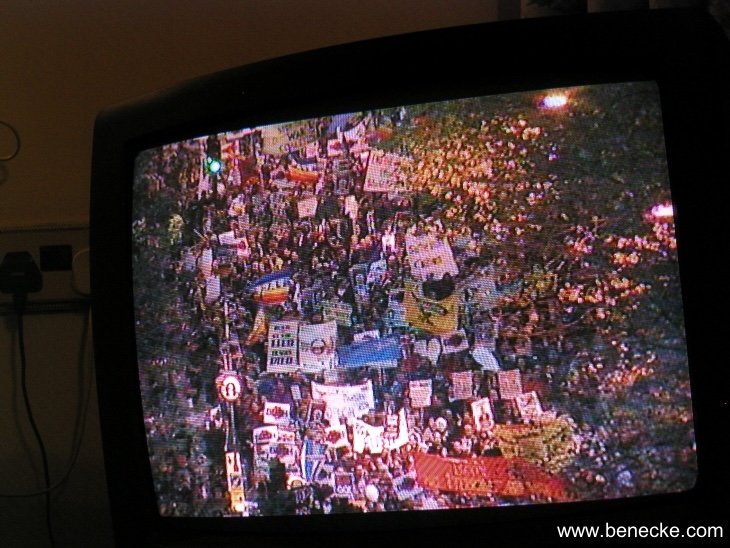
(60, 63)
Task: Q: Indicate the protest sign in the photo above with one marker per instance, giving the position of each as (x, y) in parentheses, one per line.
(340, 313)
(345, 400)
(406, 488)
(384, 172)
(377, 272)
(509, 384)
(344, 483)
(395, 434)
(528, 404)
(266, 434)
(259, 330)
(351, 207)
(356, 133)
(437, 317)
(463, 385)
(428, 348)
(454, 342)
(366, 437)
(287, 453)
(334, 148)
(305, 177)
(282, 347)
(286, 435)
(366, 336)
(276, 413)
(206, 262)
(483, 414)
(316, 410)
(307, 207)
(484, 357)
(358, 276)
(212, 289)
(317, 346)
(396, 313)
(336, 436)
(420, 393)
(430, 255)
(278, 139)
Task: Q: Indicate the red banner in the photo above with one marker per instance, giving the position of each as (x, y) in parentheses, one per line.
(302, 175)
(498, 476)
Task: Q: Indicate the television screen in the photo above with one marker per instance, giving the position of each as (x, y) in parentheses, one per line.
(458, 304)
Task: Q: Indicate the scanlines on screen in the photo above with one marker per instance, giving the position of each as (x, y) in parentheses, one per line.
(460, 304)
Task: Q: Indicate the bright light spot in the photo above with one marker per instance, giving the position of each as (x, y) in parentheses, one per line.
(663, 211)
(555, 100)
(214, 166)
(239, 507)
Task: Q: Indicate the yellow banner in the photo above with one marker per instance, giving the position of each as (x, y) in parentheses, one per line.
(550, 442)
(437, 317)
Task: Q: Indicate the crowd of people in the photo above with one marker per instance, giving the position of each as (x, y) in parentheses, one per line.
(275, 234)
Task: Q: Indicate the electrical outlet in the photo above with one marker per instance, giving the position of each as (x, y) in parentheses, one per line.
(61, 252)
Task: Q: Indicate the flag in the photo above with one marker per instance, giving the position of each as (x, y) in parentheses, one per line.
(259, 330)
(272, 288)
(438, 317)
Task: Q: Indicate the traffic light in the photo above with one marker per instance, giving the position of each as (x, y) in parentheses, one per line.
(213, 160)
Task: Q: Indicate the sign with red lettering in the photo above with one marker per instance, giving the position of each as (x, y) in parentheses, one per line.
(487, 476)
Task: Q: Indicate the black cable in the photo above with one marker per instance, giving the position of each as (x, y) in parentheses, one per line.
(44, 457)
(80, 421)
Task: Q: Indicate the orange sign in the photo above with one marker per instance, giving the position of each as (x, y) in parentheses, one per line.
(487, 475)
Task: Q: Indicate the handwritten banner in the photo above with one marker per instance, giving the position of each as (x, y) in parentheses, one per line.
(345, 401)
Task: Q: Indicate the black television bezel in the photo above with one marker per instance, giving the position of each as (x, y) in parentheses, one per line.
(683, 51)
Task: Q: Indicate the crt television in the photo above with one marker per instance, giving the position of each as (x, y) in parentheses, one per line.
(452, 284)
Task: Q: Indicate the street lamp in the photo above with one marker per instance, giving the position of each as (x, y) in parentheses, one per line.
(554, 101)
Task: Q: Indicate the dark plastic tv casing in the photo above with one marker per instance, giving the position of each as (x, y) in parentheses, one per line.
(684, 51)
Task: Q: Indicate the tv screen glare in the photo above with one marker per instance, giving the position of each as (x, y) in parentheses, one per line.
(459, 304)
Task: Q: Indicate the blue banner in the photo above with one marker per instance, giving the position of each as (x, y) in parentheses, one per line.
(374, 353)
